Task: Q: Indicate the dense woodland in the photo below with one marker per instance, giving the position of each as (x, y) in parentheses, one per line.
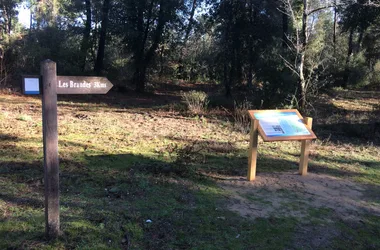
(271, 50)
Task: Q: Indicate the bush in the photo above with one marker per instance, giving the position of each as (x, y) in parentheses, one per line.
(241, 116)
(196, 101)
(375, 75)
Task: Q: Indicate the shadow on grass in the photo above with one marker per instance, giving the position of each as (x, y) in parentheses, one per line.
(356, 134)
(116, 201)
(225, 158)
(369, 164)
(339, 125)
(128, 100)
(106, 200)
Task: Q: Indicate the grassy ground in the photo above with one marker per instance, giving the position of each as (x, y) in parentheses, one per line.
(140, 173)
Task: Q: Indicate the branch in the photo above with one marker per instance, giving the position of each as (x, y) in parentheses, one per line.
(289, 65)
(322, 8)
(289, 47)
(289, 6)
(283, 11)
(372, 4)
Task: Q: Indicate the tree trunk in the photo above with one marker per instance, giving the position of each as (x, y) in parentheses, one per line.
(86, 35)
(140, 69)
(187, 34)
(360, 40)
(334, 31)
(31, 20)
(226, 81)
(148, 56)
(9, 23)
(191, 21)
(139, 46)
(157, 35)
(285, 29)
(348, 59)
(6, 20)
(139, 76)
(302, 87)
(252, 19)
(161, 73)
(38, 14)
(250, 71)
(303, 43)
(54, 14)
(102, 39)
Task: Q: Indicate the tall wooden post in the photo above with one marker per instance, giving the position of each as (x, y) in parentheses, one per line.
(50, 140)
(252, 157)
(305, 148)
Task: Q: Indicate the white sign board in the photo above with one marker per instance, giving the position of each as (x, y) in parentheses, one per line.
(31, 85)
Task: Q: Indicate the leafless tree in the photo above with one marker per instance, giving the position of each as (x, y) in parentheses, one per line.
(298, 43)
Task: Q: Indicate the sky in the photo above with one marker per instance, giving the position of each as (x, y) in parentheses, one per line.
(24, 15)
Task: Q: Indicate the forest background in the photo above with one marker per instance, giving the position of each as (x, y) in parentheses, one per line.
(270, 53)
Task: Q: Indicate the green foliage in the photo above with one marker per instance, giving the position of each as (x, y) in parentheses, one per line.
(375, 75)
(196, 101)
(359, 76)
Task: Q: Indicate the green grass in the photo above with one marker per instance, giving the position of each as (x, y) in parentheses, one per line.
(24, 118)
(359, 234)
(121, 167)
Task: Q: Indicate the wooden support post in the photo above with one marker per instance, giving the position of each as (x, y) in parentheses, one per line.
(305, 148)
(252, 157)
(50, 140)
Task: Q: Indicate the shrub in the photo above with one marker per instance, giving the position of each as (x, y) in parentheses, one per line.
(241, 116)
(196, 101)
(375, 76)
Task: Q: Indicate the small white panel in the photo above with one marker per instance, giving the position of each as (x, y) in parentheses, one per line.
(32, 86)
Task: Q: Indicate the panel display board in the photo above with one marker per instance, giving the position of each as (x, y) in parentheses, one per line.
(31, 85)
(281, 125)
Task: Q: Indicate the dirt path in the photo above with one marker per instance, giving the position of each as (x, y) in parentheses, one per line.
(289, 194)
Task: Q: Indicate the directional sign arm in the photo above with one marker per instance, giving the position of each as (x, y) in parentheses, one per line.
(83, 85)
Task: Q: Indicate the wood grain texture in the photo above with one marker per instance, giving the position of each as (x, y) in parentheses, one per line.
(305, 149)
(50, 140)
(252, 152)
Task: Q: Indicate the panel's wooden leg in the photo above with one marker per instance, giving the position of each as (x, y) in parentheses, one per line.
(305, 148)
(252, 153)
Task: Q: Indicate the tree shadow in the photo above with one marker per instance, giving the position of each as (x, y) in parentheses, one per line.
(110, 197)
(344, 125)
(356, 134)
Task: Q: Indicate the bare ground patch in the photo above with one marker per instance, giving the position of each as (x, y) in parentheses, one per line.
(289, 194)
(320, 203)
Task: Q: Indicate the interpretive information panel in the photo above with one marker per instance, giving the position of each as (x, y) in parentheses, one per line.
(281, 125)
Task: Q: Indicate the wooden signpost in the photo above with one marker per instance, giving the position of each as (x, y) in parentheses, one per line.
(50, 140)
(279, 125)
(50, 87)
